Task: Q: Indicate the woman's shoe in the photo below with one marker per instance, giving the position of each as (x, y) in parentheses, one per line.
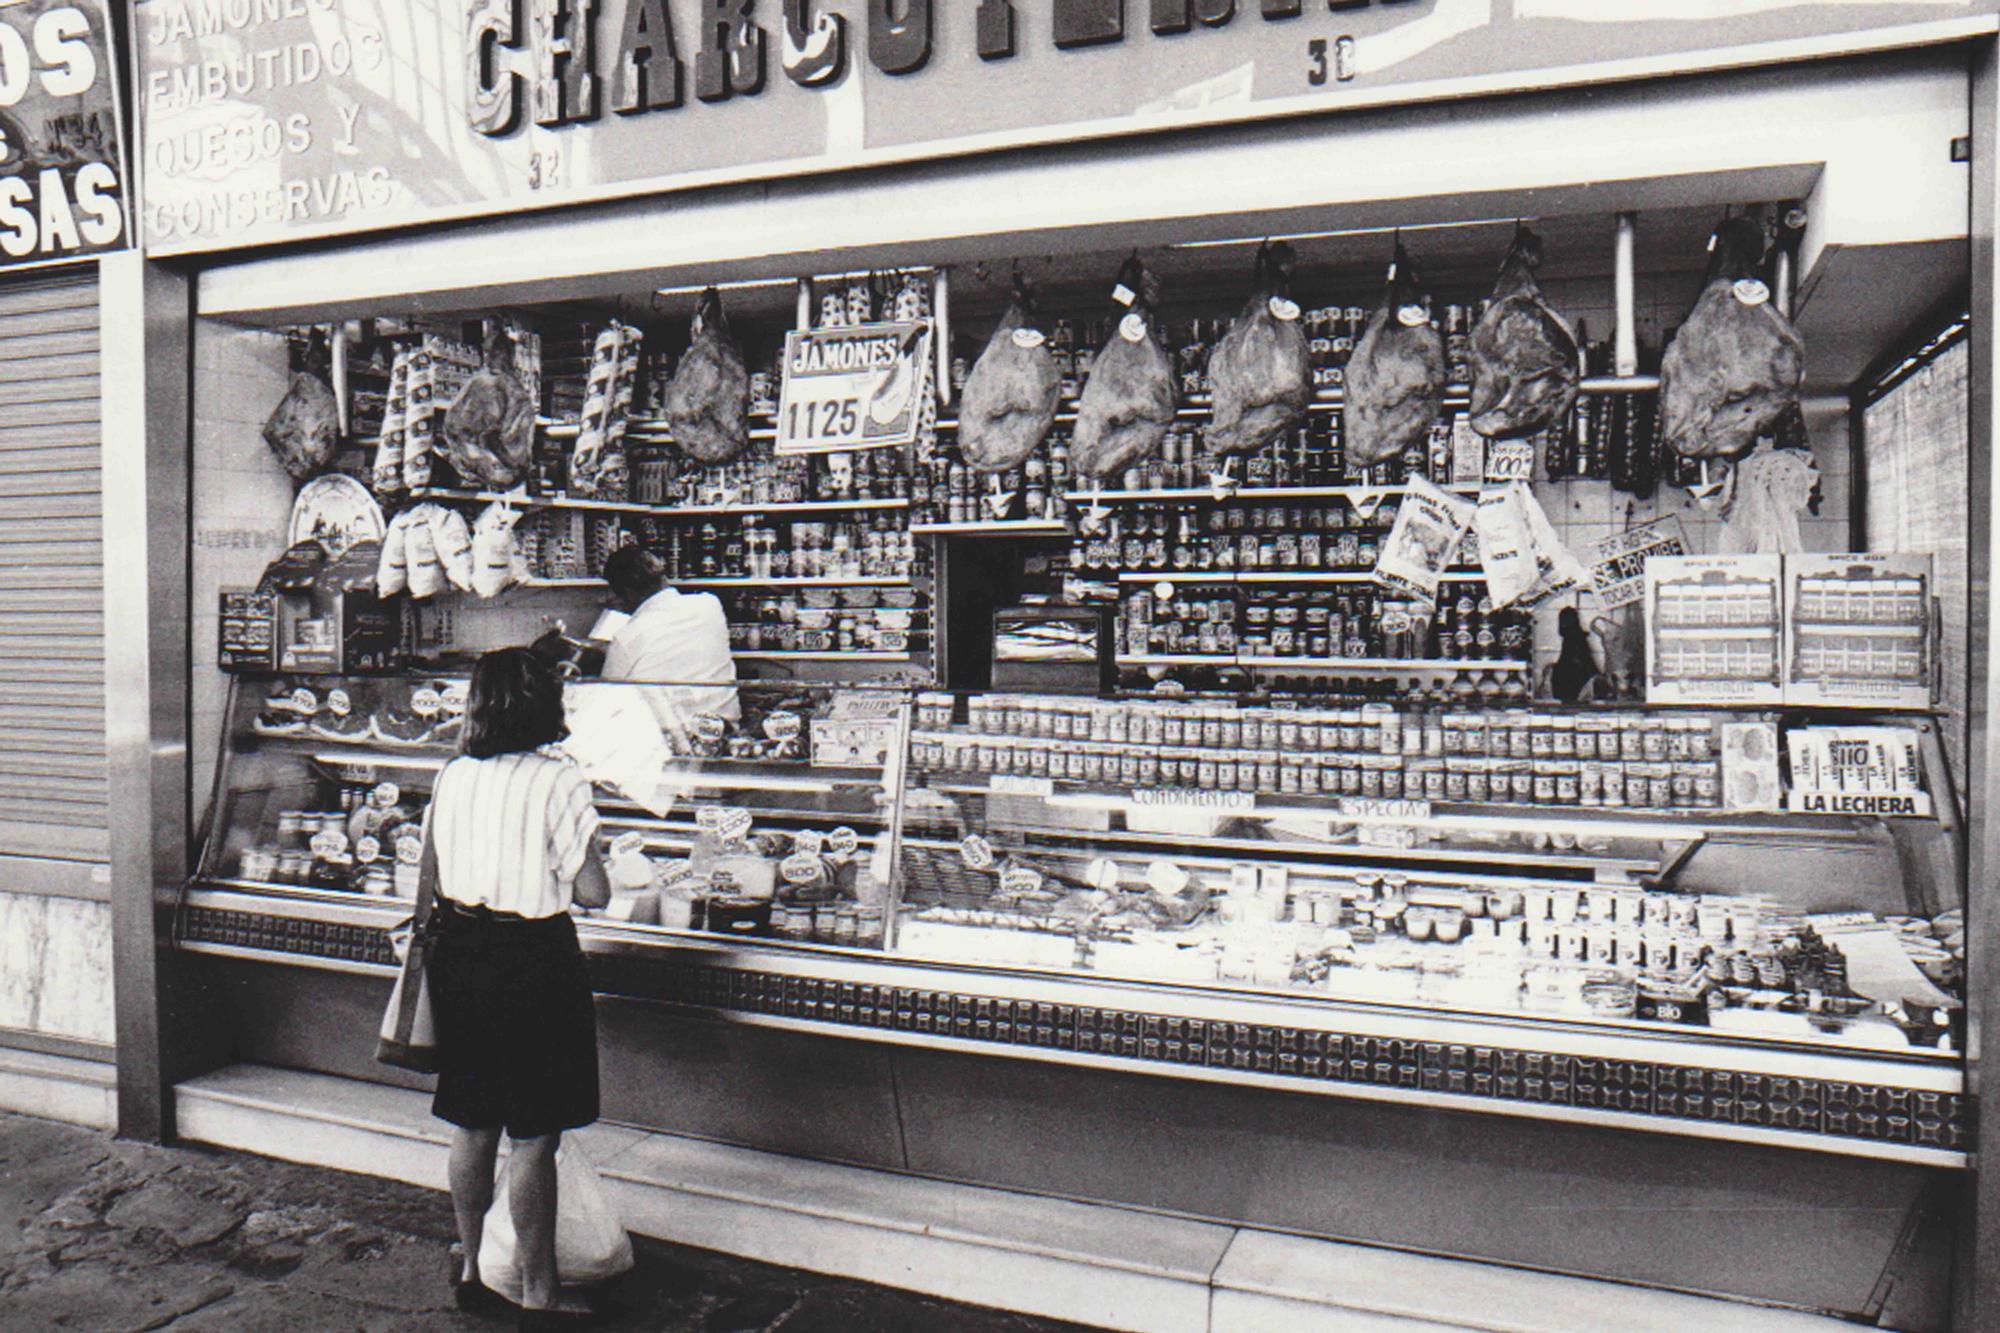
(554, 1319)
(469, 1293)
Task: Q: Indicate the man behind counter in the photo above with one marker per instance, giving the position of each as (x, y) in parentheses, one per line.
(676, 641)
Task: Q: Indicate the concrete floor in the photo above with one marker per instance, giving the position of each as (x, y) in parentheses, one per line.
(116, 1237)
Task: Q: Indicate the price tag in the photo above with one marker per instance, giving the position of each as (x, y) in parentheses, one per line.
(1029, 339)
(1020, 881)
(628, 844)
(329, 844)
(1283, 309)
(426, 702)
(1132, 328)
(338, 703)
(385, 795)
(410, 848)
(783, 725)
(710, 728)
(304, 700)
(454, 697)
(808, 842)
(976, 852)
(1166, 879)
(1013, 784)
(1123, 295)
(367, 849)
(860, 387)
(1102, 874)
(1510, 460)
(1412, 316)
(1750, 291)
(801, 868)
(843, 841)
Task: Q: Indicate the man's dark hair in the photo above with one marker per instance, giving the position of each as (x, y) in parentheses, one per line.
(515, 704)
(634, 573)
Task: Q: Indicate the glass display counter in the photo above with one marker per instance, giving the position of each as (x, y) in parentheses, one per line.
(1358, 901)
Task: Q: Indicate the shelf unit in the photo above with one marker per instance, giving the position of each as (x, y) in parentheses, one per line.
(1254, 494)
(666, 510)
(1462, 574)
(1011, 527)
(1323, 663)
(796, 655)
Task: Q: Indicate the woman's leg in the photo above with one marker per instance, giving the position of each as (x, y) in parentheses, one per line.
(472, 1155)
(531, 1195)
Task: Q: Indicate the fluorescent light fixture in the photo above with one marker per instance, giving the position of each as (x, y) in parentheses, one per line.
(737, 284)
(1348, 231)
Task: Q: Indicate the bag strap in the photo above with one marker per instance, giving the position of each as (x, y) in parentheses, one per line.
(414, 961)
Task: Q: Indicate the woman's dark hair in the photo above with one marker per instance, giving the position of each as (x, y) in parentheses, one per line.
(515, 704)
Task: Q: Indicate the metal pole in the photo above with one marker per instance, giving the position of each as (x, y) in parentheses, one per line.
(1977, 1294)
(941, 334)
(1625, 345)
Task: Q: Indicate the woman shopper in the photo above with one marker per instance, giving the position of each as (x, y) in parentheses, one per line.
(510, 837)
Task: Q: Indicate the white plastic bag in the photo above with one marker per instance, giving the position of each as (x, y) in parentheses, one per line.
(591, 1243)
(1424, 542)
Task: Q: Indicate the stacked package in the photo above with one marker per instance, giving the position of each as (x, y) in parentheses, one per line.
(597, 467)
(423, 379)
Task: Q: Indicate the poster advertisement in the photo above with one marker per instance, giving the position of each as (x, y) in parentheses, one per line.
(1856, 771)
(1620, 570)
(860, 387)
(63, 180)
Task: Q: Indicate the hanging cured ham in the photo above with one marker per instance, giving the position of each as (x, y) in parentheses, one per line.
(708, 403)
(489, 429)
(1396, 377)
(1260, 373)
(1010, 397)
(1734, 366)
(304, 428)
(1525, 362)
(1128, 402)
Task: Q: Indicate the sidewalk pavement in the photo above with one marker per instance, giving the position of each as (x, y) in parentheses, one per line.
(105, 1236)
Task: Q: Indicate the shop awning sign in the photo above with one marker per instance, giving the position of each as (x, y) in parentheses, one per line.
(277, 120)
(861, 387)
(62, 155)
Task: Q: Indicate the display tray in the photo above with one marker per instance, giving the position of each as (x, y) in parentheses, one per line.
(1703, 1084)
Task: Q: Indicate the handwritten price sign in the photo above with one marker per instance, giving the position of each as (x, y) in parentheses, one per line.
(855, 388)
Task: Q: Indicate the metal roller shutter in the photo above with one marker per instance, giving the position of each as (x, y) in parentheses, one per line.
(52, 762)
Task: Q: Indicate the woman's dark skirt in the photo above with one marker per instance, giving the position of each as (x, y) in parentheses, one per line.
(516, 1026)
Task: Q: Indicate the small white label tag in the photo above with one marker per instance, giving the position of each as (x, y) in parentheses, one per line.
(1029, 338)
(1166, 878)
(1284, 309)
(385, 795)
(367, 849)
(1132, 328)
(842, 841)
(1123, 295)
(1750, 291)
(626, 844)
(1374, 808)
(1412, 316)
(976, 852)
(1191, 798)
(1102, 873)
(799, 868)
(1013, 784)
(1019, 881)
(808, 840)
(426, 702)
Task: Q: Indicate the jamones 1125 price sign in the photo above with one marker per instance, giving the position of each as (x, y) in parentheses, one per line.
(854, 388)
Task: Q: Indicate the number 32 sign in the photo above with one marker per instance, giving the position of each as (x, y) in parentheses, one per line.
(854, 388)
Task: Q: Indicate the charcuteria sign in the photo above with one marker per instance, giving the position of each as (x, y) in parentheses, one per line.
(275, 120)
